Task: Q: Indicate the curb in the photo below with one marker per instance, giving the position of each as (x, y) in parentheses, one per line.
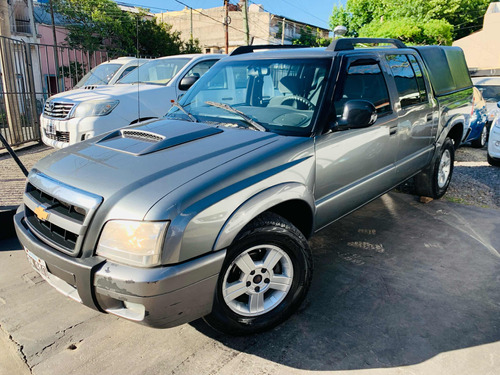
(7, 222)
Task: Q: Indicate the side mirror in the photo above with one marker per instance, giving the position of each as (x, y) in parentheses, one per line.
(187, 82)
(357, 114)
(498, 104)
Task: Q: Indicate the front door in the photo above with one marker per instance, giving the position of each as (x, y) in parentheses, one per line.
(354, 166)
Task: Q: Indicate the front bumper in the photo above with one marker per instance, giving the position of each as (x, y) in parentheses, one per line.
(494, 140)
(70, 131)
(159, 297)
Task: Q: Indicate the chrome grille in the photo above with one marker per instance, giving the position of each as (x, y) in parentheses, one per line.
(58, 214)
(59, 136)
(57, 110)
(142, 136)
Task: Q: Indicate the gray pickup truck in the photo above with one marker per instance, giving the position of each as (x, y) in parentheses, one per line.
(207, 212)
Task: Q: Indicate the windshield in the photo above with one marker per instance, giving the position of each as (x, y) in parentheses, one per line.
(100, 75)
(280, 95)
(158, 71)
(490, 93)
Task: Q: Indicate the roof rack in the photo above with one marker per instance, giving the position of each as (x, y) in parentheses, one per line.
(347, 44)
(247, 49)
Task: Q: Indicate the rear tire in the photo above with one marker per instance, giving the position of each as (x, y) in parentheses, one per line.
(434, 180)
(264, 279)
(483, 138)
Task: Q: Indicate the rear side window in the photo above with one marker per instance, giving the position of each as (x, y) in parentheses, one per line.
(364, 80)
(409, 82)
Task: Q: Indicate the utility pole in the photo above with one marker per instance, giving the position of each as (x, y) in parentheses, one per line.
(191, 11)
(8, 55)
(245, 18)
(283, 32)
(56, 53)
(226, 25)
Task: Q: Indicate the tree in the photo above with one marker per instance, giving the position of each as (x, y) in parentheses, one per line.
(418, 21)
(100, 24)
(310, 38)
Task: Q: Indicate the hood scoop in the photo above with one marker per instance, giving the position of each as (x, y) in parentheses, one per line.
(155, 136)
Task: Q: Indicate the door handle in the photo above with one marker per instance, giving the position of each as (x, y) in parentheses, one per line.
(429, 117)
(393, 130)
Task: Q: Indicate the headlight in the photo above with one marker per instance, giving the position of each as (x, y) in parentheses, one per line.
(94, 108)
(137, 243)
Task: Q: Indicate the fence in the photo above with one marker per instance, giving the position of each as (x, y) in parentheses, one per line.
(30, 74)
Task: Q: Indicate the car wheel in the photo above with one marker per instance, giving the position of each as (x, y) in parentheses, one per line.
(493, 161)
(481, 141)
(435, 179)
(265, 277)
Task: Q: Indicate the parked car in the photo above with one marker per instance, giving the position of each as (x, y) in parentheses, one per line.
(143, 94)
(206, 212)
(477, 133)
(494, 141)
(490, 89)
(108, 73)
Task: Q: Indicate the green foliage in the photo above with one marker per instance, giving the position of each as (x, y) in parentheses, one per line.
(310, 38)
(416, 21)
(75, 70)
(410, 31)
(100, 24)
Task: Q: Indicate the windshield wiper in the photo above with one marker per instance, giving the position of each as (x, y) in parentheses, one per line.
(247, 119)
(191, 117)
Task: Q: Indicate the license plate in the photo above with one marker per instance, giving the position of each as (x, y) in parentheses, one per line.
(38, 264)
(51, 129)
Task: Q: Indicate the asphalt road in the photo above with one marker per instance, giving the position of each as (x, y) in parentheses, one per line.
(399, 287)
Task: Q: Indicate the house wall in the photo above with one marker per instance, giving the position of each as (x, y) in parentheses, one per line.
(481, 48)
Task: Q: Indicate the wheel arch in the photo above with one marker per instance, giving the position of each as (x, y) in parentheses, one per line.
(454, 131)
(292, 201)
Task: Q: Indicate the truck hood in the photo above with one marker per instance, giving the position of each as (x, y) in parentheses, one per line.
(140, 165)
(111, 92)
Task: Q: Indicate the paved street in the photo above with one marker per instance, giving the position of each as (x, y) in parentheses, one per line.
(399, 287)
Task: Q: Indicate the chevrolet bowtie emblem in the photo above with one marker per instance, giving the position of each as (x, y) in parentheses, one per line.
(41, 213)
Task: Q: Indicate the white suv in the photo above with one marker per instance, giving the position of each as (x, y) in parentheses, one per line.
(109, 72)
(147, 92)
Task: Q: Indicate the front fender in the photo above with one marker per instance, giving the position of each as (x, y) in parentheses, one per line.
(258, 204)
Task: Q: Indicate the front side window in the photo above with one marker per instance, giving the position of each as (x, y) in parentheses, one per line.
(406, 81)
(281, 95)
(365, 81)
(158, 71)
(100, 75)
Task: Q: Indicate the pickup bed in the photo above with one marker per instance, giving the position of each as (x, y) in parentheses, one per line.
(207, 212)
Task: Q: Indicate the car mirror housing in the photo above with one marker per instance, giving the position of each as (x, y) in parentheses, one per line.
(187, 82)
(356, 114)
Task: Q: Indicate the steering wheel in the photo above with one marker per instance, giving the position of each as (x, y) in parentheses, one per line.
(297, 98)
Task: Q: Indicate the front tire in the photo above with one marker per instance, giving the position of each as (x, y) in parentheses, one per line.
(493, 161)
(434, 180)
(264, 279)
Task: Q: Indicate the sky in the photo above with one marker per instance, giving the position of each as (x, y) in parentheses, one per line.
(314, 12)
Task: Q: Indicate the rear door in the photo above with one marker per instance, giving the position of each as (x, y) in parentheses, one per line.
(354, 166)
(417, 113)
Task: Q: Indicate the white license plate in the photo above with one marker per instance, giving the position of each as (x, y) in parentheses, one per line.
(38, 264)
(51, 128)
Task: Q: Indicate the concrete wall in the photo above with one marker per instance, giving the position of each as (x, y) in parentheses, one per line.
(482, 48)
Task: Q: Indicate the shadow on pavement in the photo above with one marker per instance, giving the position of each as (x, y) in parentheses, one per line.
(395, 284)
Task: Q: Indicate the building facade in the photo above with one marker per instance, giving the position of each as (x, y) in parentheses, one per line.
(481, 48)
(207, 25)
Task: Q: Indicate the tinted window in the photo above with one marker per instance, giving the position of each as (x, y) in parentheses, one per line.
(406, 81)
(419, 76)
(364, 81)
(127, 71)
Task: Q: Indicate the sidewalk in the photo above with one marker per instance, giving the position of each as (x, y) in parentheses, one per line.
(12, 183)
